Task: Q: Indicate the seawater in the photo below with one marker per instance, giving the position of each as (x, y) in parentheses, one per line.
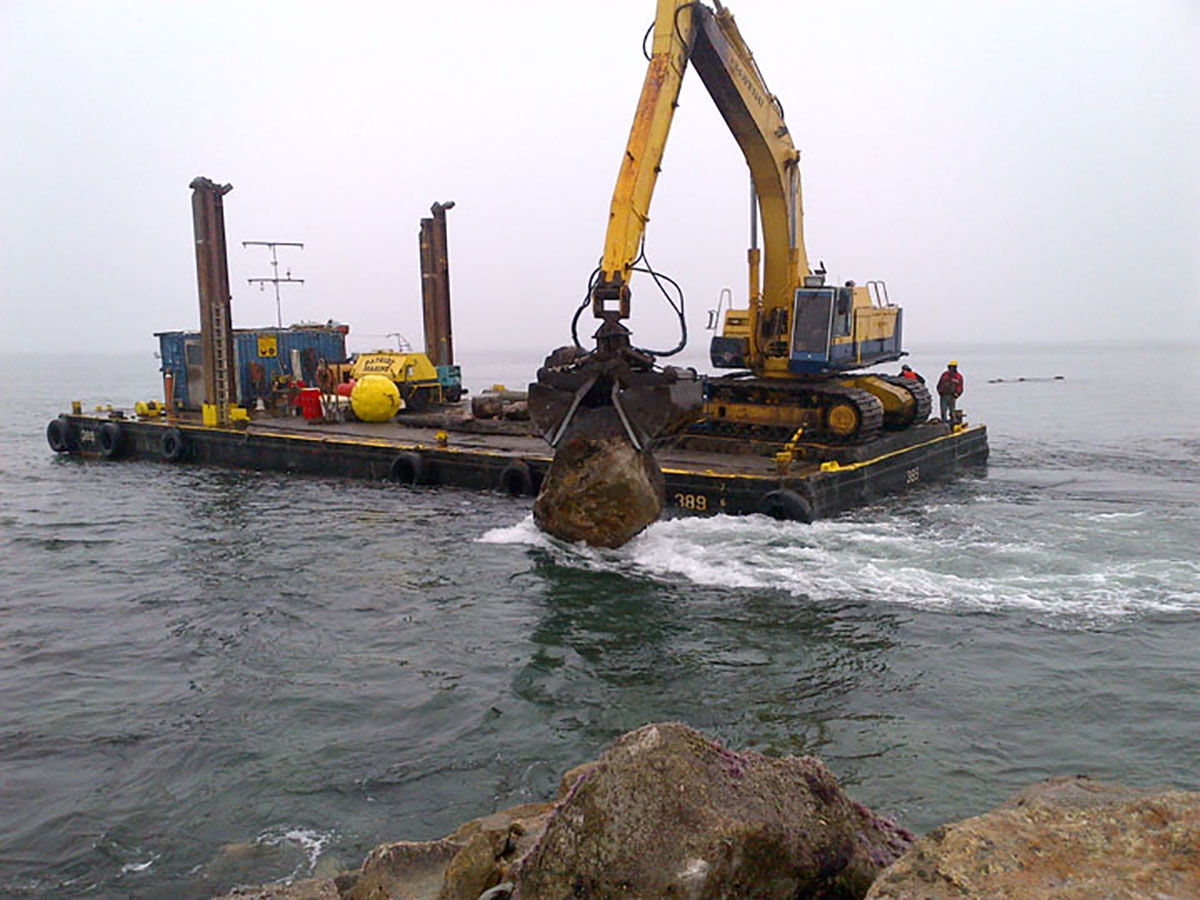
(211, 677)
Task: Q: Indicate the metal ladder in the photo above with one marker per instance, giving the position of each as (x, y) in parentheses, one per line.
(220, 362)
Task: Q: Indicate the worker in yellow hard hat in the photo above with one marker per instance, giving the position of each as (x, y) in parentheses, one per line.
(950, 388)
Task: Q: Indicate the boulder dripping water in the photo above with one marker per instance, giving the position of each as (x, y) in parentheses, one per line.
(600, 490)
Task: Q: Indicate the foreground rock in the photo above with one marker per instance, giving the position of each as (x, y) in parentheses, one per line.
(599, 490)
(309, 889)
(666, 813)
(1067, 839)
(460, 866)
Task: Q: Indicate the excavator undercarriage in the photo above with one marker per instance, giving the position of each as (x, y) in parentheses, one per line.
(847, 410)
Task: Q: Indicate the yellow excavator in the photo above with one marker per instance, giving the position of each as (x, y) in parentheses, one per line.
(796, 337)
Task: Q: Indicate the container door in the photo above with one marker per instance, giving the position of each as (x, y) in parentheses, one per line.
(194, 360)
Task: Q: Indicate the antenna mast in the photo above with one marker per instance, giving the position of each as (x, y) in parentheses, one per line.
(275, 279)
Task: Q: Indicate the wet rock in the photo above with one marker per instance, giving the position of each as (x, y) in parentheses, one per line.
(237, 863)
(327, 866)
(460, 866)
(309, 889)
(667, 813)
(1067, 839)
(599, 490)
(492, 846)
(411, 869)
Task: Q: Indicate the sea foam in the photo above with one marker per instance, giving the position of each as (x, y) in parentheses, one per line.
(964, 568)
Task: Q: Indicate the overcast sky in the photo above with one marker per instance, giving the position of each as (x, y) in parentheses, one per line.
(1026, 170)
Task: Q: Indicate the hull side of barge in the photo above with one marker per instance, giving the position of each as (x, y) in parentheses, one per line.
(696, 483)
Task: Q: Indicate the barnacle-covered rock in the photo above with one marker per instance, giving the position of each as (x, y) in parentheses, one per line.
(668, 813)
(1066, 839)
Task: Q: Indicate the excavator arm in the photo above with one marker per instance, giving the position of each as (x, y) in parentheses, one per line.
(710, 39)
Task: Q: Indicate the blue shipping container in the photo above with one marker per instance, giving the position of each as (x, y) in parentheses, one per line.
(259, 355)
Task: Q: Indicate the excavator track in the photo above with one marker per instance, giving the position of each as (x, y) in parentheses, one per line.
(867, 408)
(920, 393)
(825, 409)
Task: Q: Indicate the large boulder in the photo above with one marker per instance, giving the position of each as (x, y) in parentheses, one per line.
(667, 813)
(1067, 839)
(599, 490)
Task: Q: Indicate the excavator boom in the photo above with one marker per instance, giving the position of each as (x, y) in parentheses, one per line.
(686, 31)
(630, 210)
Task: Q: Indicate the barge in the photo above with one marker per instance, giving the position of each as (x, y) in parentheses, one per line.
(231, 398)
(453, 450)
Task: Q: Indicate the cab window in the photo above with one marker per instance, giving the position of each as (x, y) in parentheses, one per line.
(841, 311)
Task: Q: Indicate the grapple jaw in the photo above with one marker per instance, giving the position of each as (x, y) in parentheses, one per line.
(601, 411)
(599, 396)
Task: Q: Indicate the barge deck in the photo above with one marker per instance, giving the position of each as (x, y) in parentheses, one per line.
(453, 450)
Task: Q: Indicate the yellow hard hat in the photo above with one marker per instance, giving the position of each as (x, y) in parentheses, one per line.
(954, 362)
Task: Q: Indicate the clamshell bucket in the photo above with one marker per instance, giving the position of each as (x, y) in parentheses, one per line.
(604, 398)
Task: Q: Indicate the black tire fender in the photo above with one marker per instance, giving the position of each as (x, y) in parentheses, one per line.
(786, 505)
(108, 439)
(407, 468)
(516, 479)
(58, 436)
(170, 444)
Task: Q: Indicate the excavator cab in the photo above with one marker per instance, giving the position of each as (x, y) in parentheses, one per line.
(823, 338)
(833, 329)
(813, 329)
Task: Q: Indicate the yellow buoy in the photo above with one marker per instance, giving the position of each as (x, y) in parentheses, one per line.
(375, 398)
